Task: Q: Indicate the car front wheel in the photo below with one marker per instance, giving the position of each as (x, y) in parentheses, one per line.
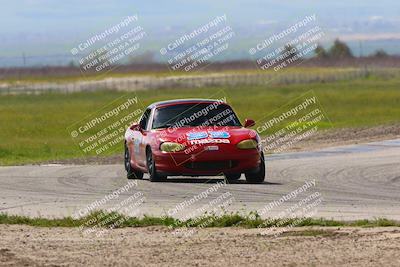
(151, 166)
(257, 176)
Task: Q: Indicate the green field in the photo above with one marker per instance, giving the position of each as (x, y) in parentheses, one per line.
(34, 127)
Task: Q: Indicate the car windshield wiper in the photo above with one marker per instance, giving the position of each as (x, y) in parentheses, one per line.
(190, 125)
(164, 126)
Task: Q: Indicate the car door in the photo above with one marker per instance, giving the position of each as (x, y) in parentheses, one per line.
(140, 143)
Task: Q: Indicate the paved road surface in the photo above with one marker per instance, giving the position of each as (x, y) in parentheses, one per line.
(360, 181)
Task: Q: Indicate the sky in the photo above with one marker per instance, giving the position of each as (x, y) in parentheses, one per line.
(52, 27)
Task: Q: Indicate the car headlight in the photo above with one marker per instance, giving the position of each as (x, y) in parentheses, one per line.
(247, 144)
(171, 147)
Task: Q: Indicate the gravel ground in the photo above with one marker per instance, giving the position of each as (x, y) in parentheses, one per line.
(157, 246)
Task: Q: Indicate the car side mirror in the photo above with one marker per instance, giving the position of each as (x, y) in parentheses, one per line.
(135, 126)
(249, 123)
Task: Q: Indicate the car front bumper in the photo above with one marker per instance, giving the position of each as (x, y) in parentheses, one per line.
(207, 162)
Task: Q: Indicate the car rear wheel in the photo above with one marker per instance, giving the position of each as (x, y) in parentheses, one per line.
(233, 176)
(257, 176)
(131, 172)
(151, 166)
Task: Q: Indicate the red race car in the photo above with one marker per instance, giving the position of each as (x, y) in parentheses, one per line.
(193, 137)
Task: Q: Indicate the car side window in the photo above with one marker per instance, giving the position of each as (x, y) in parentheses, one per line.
(145, 119)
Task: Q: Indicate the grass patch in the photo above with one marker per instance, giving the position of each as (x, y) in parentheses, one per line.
(311, 232)
(34, 127)
(107, 219)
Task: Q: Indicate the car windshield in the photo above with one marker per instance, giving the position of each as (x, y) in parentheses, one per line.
(195, 114)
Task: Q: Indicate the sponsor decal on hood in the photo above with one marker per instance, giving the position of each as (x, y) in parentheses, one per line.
(209, 134)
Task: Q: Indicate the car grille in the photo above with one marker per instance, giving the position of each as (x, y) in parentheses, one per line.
(211, 165)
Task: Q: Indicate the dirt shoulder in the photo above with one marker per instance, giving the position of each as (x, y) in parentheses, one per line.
(322, 139)
(157, 246)
(348, 136)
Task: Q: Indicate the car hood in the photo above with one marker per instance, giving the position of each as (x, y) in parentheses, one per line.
(187, 135)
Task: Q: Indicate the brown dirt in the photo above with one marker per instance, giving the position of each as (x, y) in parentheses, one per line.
(157, 246)
(349, 136)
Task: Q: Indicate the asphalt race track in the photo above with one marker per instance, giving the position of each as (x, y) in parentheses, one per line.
(359, 181)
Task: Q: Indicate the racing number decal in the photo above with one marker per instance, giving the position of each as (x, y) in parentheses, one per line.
(136, 146)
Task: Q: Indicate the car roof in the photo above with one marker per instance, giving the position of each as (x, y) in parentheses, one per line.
(183, 101)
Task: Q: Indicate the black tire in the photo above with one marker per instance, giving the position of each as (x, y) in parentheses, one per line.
(151, 167)
(131, 172)
(233, 177)
(257, 176)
